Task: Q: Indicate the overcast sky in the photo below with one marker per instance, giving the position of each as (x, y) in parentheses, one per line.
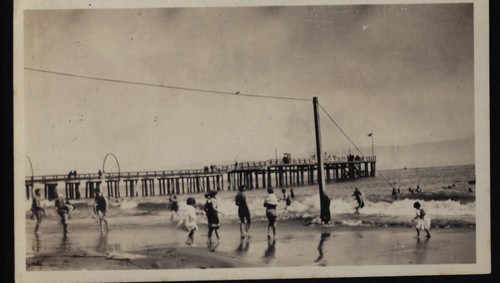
(403, 72)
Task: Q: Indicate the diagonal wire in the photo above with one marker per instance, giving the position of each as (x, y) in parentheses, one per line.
(340, 129)
(166, 86)
(331, 119)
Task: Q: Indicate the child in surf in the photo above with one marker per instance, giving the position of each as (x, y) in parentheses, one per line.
(422, 220)
(190, 220)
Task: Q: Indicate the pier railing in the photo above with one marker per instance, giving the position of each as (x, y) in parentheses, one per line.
(252, 174)
(214, 170)
(296, 161)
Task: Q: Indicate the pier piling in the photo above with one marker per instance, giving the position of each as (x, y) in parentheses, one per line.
(253, 175)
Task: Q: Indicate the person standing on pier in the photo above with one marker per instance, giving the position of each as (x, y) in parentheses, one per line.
(63, 208)
(37, 209)
(243, 211)
(212, 212)
(270, 203)
(100, 208)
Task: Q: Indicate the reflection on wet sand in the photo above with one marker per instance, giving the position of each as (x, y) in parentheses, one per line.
(270, 252)
(102, 243)
(243, 246)
(324, 237)
(37, 247)
(65, 244)
(421, 254)
(299, 246)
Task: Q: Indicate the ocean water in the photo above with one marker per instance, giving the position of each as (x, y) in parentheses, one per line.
(445, 196)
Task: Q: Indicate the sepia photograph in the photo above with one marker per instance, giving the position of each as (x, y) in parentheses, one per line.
(222, 140)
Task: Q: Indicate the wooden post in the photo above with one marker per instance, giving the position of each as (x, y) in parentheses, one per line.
(222, 182)
(302, 175)
(190, 185)
(263, 174)
(286, 172)
(269, 179)
(319, 157)
(277, 183)
(28, 190)
(117, 188)
(77, 191)
(296, 177)
(129, 190)
(87, 189)
(109, 189)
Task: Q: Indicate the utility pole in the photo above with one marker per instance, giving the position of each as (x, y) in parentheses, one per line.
(319, 156)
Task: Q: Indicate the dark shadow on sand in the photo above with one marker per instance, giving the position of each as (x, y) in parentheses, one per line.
(102, 242)
(270, 252)
(324, 237)
(243, 246)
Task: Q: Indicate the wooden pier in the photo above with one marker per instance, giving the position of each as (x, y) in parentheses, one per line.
(252, 174)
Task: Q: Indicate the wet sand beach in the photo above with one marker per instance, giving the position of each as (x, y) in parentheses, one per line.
(142, 235)
(162, 247)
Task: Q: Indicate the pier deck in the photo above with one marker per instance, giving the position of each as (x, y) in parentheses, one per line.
(252, 174)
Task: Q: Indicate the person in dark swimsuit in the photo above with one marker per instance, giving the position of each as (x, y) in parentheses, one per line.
(243, 212)
(101, 208)
(325, 209)
(358, 195)
(212, 216)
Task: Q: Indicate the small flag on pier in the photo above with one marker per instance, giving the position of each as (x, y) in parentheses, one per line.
(370, 134)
